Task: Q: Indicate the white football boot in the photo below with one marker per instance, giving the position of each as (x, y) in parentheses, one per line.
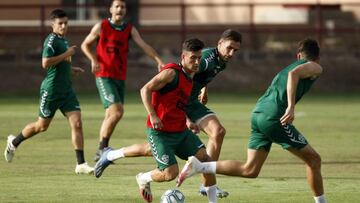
(10, 149)
(144, 189)
(190, 168)
(84, 168)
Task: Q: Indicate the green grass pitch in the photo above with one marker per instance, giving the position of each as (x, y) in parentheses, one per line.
(43, 167)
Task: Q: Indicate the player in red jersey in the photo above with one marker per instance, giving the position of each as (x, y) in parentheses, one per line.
(109, 64)
(165, 97)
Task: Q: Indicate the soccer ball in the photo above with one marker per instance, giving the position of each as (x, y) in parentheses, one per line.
(172, 196)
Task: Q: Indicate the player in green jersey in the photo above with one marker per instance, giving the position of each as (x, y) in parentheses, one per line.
(213, 61)
(56, 92)
(271, 122)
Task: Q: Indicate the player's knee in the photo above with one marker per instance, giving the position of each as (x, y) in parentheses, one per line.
(41, 127)
(116, 116)
(251, 173)
(315, 161)
(77, 124)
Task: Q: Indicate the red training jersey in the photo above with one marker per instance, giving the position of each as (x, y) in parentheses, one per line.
(112, 49)
(170, 101)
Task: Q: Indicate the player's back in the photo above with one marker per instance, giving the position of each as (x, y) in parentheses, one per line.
(274, 100)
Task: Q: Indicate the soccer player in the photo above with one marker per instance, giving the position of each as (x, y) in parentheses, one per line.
(56, 92)
(212, 62)
(165, 97)
(109, 64)
(272, 122)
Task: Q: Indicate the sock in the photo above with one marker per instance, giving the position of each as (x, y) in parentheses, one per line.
(115, 154)
(320, 199)
(104, 143)
(146, 177)
(80, 156)
(211, 193)
(208, 167)
(16, 142)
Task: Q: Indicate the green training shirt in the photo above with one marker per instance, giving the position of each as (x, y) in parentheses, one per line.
(274, 102)
(210, 65)
(57, 78)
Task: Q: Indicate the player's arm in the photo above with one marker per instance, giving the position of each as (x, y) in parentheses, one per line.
(155, 84)
(53, 60)
(86, 45)
(147, 48)
(306, 70)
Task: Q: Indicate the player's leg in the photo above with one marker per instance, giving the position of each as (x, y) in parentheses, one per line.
(163, 146)
(113, 114)
(292, 140)
(216, 132)
(47, 109)
(77, 138)
(193, 146)
(112, 96)
(208, 180)
(110, 155)
(210, 124)
(29, 130)
(313, 170)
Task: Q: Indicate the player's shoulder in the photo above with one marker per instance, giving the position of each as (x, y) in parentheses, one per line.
(209, 54)
(51, 39)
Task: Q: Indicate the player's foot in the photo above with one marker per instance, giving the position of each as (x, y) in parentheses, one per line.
(189, 169)
(103, 162)
(219, 192)
(144, 188)
(84, 168)
(10, 149)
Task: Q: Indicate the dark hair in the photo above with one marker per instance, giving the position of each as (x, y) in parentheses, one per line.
(310, 48)
(192, 44)
(230, 34)
(57, 13)
(116, 0)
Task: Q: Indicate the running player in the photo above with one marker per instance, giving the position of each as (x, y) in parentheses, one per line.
(109, 64)
(56, 92)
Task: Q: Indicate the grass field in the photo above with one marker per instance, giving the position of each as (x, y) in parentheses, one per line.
(43, 168)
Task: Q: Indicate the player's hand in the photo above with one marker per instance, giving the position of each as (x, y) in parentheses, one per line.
(288, 117)
(71, 50)
(203, 96)
(156, 122)
(95, 66)
(192, 126)
(77, 70)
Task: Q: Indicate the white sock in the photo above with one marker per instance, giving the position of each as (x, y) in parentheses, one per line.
(320, 199)
(211, 193)
(146, 177)
(208, 167)
(115, 154)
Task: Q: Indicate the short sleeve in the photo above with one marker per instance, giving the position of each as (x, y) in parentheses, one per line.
(49, 48)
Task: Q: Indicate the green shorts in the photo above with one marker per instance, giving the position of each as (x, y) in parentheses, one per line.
(266, 130)
(165, 146)
(197, 111)
(111, 91)
(49, 103)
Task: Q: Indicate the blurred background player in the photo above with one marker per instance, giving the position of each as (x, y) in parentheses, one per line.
(109, 64)
(213, 61)
(272, 122)
(56, 92)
